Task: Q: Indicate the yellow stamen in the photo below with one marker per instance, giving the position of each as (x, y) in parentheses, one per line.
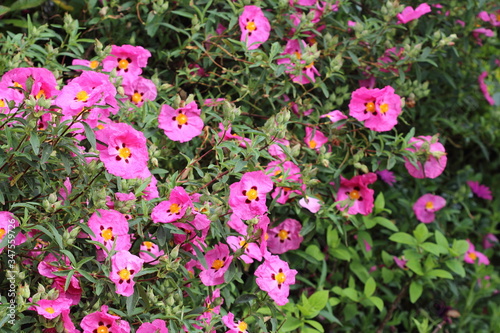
(148, 245)
(136, 98)
(280, 277)
(93, 64)
(124, 152)
(107, 234)
(217, 264)
(242, 326)
(100, 126)
(50, 310)
(429, 205)
(354, 195)
(312, 144)
(123, 64)
(473, 255)
(243, 244)
(102, 329)
(175, 208)
(384, 108)
(2, 103)
(298, 55)
(82, 96)
(181, 119)
(252, 194)
(370, 107)
(124, 274)
(17, 85)
(310, 65)
(283, 234)
(251, 26)
(40, 94)
(2, 233)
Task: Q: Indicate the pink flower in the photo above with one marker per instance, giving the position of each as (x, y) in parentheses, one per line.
(150, 252)
(285, 236)
(206, 317)
(356, 194)
(251, 251)
(409, 14)
(276, 150)
(314, 138)
(126, 153)
(65, 191)
(124, 266)
(234, 327)
(218, 261)
(50, 309)
(489, 241)
(391, 56)
(275, 277)
(255, 27)
(43, 82)
(482, 191)
(295, 108)
(493, 18)
(128, 60)
(73, 291)
(102, 321)
(225, 134)
(7, 223)
(151, 190)
(307, 72)
(429, 152)
(247, 197)
(87, 63)
(482, 31)
(310, 203)
(484, 88)
(157, 326)
(139, 90)
(292, 175)
(386, 176)
(335, 116)
(471, 256)
(110, 228)
(426, 206)
(182, 124)
(173, 209)
(255, 230)
(400, 262)
(378, 108)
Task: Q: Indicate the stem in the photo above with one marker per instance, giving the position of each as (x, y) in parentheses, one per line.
(394, 305)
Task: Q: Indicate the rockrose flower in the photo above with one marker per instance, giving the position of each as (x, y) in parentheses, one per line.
(51, 309)
(275, 277)
(357, 194)
(254, 27)
(43, 84)
(7, 223)
(251, 251)
(285, 236)
(174, 208)
(284, 172)
(110, 228)
(128, 60)
(310, 203)
(481, 191)
(182, 124)
(472, 256)
(150, 252)
(139, 90)
(218, 261)
(378, 108)
(484, 88)
(314, 138)
(247, 197)
(308, 72)
(335, 116)
(102, 321)
(234, 327)
(431, 157)
(211, 309)
(124, 266)
(426, 206)
(126, 153)
(409, 14)
(157, 326)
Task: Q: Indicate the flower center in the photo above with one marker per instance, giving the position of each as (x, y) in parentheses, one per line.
(107, 234)
(252, 194)
(136, 98)
(175, 208)
(123, 64)
(124, 274)
(124, 152)
(243, 244)
(280, 277)
(17, 85)
(93, 64)
(283, 234)
(354, 195)
(148, 245)
(181, 119)
(100, 126)
(40, 94)
(473, 255)
(217, 264)
(298, 55)
(242, 326)
(50, 310)
(102, 329)
(429, 205)
(251, 26)
(312, 144)
(82, 96)
(370, 107)
(384, 108)
(2, 233)
(2, 103)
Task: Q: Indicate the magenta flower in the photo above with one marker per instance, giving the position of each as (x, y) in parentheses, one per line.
(110, 228)
(151, 190)
(481, 191)
(124, 266)
(128, 60)
(255, 27)
(87, 63)
(50, 309)
(73, 291)
(234, 327)
(285, 172)
(307, 73)
(391, 56)
(378, 108)
(225, 134)
(285, 236)
(432, 154)
(426, 206)
(356, 194)
(157, 326)
(401, 262)
(489, 241)
(7, 223)
(65, 191)
(482, 31)
(260, 228)
(386, 176)
(139, 90)
(206, 316)
(409, 14)
(247, 197)
(43, 84)
(150, 252)
(275, 277)
(276, 150)
(126, 153)
(484, 88)
(251, 251)
(102, 321)
(314, 138)
(472, 256)
(218, 261)
(173, 209)
(182, 124)
(335, 116)
(310, 203)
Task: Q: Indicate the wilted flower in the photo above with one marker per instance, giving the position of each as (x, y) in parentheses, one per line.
(482, 191)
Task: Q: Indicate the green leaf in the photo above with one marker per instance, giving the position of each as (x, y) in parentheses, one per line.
(387, 275)
(370, 286)
(441, 240)
(415, 266)
(318, 301)
(89, 133)
(333, 301)
(440, 273)
(460, 247)
(404, 238)
(316, 325)
(351, 293)
(341, 253)
(386, 223)
(415, 291)
(314, 251)
(291, 324)
(379, 203)
(35, 143)
(456, 266)
(377, 301)
(421, 232)
(432, 248)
